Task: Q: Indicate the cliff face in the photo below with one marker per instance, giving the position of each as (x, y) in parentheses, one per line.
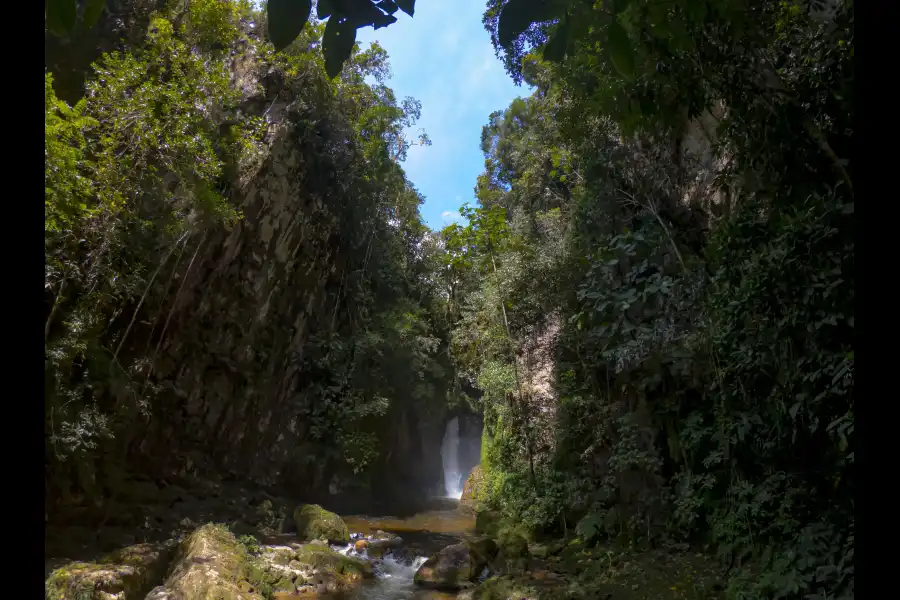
(271, 351)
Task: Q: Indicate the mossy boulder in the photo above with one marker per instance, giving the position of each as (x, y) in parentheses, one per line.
(330, 566)
(472, 490)
(487, 522)
(513, 555)
(213, 565)
(457, 566)
(315, 523)
(131, 572)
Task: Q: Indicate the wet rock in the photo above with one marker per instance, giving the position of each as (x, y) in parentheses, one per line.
(457, 566)
(380, 547)
(314, 522)
(361, 545)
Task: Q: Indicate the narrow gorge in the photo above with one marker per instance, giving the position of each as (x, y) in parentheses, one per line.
(286, 357)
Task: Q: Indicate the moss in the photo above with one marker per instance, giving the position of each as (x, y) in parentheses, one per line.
(212, 564)
(502, 588)
(131, 571)
(314, 522)
(345, 569)
(487, 522)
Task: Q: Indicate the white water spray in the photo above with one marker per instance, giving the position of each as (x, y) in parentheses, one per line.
(450, 458)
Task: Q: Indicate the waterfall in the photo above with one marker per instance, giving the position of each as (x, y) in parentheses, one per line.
(450, 458)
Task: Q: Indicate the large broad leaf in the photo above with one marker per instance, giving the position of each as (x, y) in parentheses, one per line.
(516, 16)
(696, 10)
(407, 6)
(324, 9)
(337, 44)
(61, 16)
(620, 51)
(555, 50)
(362, 13)
(286, 20)
(92, 11)
(388, 6)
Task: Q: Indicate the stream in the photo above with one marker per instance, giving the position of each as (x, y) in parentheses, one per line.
(423, 534)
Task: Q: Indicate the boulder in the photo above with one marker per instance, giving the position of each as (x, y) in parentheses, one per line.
(212, 564)
(332, 569)
(128, 573)
(457, 566)
(314, 522)
(513, 554)
(487, 522)
(472, 490)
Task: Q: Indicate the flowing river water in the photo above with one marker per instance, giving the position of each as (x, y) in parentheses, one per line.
(423, 534)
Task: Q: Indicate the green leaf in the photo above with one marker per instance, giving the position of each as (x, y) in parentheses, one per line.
(286, 20)
(516, 17)
(696, 10)
(324, 9)
(61, 16)
(620, 51)
(337, 44)
(92, 11)
(621, 5)
(555, 50)
(407, 6)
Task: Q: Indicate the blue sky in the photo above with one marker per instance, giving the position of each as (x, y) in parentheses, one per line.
(443, 57)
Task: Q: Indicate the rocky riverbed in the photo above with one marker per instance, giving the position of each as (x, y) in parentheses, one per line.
(231, 543)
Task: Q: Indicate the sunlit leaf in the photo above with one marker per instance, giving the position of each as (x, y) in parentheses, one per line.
(286, 19)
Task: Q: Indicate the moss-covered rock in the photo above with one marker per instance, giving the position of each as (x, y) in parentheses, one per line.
(456, 566)
(330, 571)
(314, 523)
(487, 522)
(513, 555)
(131, 571)
(472, 489)
(212, 565)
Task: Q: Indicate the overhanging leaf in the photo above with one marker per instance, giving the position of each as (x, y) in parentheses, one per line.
(388, 6)
(324, 9)
(337, 44)
(92, 11)
(555, 50)
(620, 51)
(61, 16)
(383, 20)
(407, 6)
(621, 5)
(696, 10)
(516, 17)
(286, 20)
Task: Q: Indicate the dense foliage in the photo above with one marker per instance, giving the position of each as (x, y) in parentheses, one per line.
(653, 297)
(670, 219)
(144, 181)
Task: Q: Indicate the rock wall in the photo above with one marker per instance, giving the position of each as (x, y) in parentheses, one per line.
(234, 348)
